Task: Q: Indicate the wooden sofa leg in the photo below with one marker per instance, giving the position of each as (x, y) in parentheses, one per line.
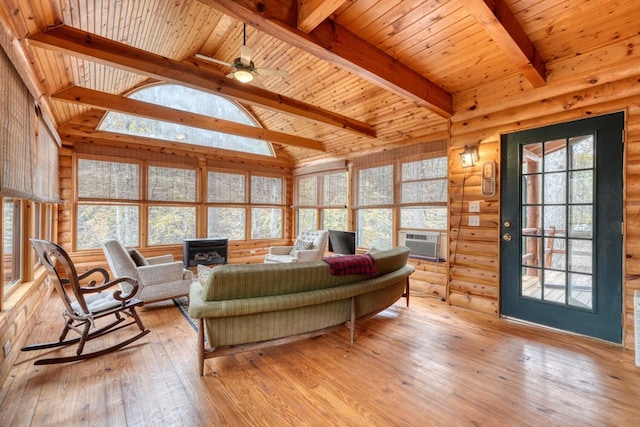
(201, 346)
(352, 322)
(406, 292)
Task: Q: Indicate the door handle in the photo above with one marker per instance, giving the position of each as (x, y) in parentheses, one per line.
(506, 237)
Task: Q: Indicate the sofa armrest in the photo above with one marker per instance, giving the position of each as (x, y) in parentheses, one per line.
(161, 273)
(160, 259)
(280, 250)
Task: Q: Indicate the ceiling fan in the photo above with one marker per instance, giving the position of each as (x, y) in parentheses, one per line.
(244, 69)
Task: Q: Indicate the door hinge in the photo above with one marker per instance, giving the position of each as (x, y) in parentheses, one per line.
(622, 228)
(623, 136)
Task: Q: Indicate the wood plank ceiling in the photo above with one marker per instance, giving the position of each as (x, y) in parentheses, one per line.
(373, 74)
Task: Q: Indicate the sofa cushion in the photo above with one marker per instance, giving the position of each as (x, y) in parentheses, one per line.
(203, 273)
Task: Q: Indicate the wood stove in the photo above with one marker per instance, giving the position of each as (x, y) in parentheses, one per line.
(205, 251)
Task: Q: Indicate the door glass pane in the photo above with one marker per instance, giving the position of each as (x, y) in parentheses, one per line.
(580, 186)
(581, 290)
(531, 250)
(531, 284)
(581, 152)
(554, 286)
(580, 256)
(531, 189)
(557, 221)
(532, 158)
(555, 188)
(532, 221)
(555, 216)
(555, 155)
(554, 254)
(580, 221)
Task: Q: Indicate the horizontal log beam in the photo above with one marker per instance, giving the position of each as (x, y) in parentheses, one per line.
(109, 102)
(92, 47)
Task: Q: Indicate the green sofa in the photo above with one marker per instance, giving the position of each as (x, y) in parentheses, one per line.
(244, 307)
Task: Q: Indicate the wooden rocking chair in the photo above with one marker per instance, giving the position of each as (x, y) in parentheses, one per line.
(85, 304)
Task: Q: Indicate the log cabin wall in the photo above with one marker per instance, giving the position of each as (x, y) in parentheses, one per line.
(487, 113)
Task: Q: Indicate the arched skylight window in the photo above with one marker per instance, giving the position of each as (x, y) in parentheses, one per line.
(194, 101)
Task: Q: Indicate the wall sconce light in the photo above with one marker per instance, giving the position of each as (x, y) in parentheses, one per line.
(469, 156)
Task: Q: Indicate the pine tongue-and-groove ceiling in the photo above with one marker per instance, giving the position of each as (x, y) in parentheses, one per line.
(394, 66)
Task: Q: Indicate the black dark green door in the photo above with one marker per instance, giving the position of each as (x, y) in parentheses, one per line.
(561, 226)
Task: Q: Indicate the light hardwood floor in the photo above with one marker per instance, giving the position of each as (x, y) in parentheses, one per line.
(428, 365)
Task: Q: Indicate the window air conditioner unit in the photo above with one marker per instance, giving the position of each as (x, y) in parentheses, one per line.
(426, 244)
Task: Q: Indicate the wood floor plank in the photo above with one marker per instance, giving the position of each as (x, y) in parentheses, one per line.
(429, 364)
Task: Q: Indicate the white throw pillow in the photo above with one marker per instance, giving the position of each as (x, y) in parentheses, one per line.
(300, 245)
(203, 273)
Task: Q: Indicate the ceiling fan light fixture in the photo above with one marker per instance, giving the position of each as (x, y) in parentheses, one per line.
(243, 76)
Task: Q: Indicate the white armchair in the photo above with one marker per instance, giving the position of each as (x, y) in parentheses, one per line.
(309, 246)
(158, 277)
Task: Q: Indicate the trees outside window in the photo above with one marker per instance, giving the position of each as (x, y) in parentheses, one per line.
(423, 194)
(11, 233)
(321, 201)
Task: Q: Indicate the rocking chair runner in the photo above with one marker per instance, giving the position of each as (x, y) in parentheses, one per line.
(85, 304)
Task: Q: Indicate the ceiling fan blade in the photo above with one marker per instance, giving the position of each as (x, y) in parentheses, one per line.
(245, 55)
(209, 59)
(272, 72)
(256, 82)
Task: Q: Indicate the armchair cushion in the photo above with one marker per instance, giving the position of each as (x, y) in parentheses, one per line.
(137, 257)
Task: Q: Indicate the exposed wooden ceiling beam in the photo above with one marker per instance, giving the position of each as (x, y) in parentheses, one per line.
(335, 44)
(73, 133)
(95, 48)
(500, 23)
(109, 102)
(312, 12)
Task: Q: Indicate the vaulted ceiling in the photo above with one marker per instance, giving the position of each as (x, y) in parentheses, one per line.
(363, 75)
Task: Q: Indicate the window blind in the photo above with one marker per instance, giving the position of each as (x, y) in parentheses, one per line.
(29, 166)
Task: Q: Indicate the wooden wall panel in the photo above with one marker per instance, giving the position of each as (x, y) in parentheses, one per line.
(475, 280)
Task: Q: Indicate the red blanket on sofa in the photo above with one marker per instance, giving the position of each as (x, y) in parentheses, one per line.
(352, 264)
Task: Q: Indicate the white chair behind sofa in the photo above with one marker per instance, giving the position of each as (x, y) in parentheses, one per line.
(309, 246)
